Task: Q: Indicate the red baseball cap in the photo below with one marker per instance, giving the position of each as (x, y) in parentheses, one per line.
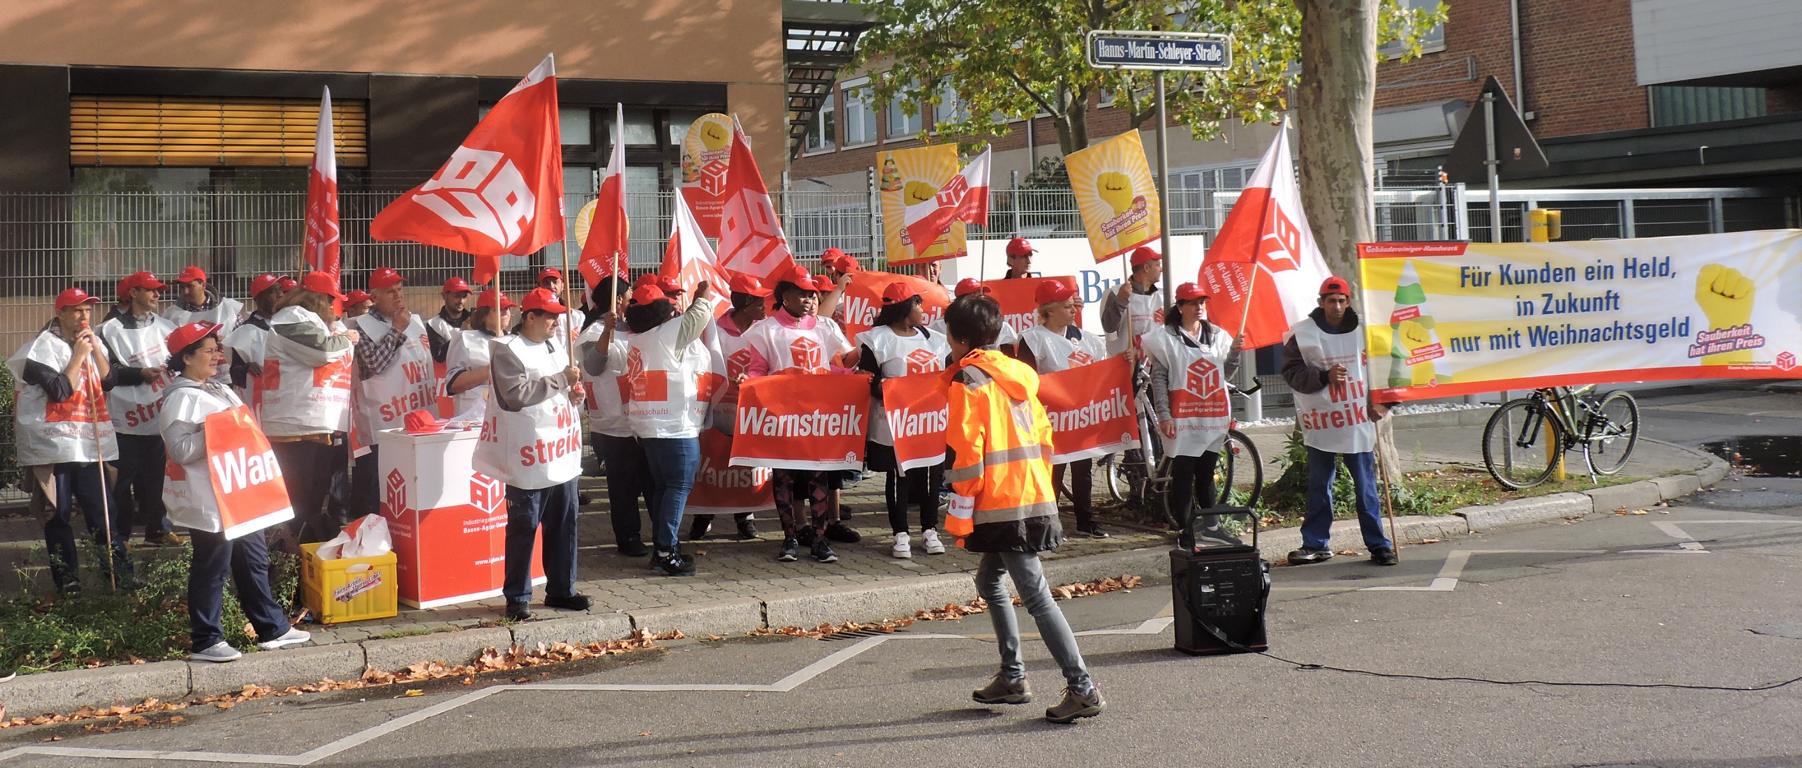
(1020, 246)
(421, 422)
(287, 283)
(543, 300)
(839, 260)
(668, 285)
(1143, 254)
(1190, 292)
(385, 277)
(492, 297)
(189, 335)
(262, 283)
(191, 274)
(548, 273)
(1334, 285)
(125, 285)
(970, 285)
(321, 282)
(898, 292)
(357, 297)
(647, 294)
(138, 280)
(74, 297)
(1053, 291)
(801, 278)
(456, 285)
(750, 286)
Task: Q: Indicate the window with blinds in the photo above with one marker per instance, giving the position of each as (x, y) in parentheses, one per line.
(168, 131)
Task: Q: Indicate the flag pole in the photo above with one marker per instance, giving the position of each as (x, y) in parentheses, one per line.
(106, 502)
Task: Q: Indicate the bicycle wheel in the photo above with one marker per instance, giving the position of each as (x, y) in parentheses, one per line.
(1239, 475)
(1117, 477)
(1521, 443)
(1613, 430)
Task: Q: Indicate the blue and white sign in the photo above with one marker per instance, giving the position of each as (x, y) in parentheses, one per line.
(1159, 50)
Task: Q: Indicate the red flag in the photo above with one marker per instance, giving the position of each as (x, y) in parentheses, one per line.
(1264, 269)
(605, 252)
(319, 242)
(689, 260)
(501, 192)
(751, 239)
(964, 197)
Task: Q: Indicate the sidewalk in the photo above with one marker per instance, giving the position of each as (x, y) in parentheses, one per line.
(740, 587)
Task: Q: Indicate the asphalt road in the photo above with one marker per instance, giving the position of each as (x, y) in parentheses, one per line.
(1665, 618)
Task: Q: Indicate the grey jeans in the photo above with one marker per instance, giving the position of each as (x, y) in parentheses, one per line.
(1029, 581)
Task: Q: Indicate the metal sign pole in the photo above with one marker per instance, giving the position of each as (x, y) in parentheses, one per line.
(1164, 194)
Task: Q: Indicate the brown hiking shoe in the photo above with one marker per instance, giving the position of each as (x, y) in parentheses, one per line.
(1075, 706)
(1001, 690)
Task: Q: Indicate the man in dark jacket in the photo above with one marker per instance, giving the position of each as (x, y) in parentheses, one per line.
(1324, 362)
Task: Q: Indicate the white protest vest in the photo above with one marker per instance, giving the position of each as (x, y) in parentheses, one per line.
(795, 349)
(569, 328)
(538, 446)
(77, 429)
(225, 313)
(734, 352)
(603, 402)
(1053, 351)
(247, 342)
(190, 497)
(1196, 376)
(1144, 313)
(666, 400)
(300, 398)
(409, 383)
(897, 356)
(444, 330)
(134, 407)
(469, 350)
(1335, 419)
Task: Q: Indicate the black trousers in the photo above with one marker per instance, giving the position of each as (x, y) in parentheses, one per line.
(1192, 483)
(138, 484)
(1082, 488)
(628, 480)
(366, 485)
(918, 486)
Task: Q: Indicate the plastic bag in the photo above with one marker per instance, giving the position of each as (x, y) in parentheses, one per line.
(366, 536)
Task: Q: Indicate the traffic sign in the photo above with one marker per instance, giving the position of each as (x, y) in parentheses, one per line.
(1117, 49)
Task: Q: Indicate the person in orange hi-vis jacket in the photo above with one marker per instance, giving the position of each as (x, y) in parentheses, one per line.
(1003, 507)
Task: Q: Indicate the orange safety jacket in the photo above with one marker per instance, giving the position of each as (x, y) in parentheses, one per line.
(1001, 440)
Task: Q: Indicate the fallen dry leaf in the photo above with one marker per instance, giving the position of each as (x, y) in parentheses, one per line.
(414, 692)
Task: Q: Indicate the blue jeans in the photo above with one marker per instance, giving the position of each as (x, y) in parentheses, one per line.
(555, 508)
(671, 462)
(1317, 526)
(80, 483)
(247, 559)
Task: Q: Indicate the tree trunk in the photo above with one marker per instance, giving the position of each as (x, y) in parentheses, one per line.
(1333, 106)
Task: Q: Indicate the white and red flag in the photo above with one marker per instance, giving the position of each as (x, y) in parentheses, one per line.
(501, 192)
(689, 260)
(319, 241)
(751, 239)
(1264, 270)
(605, 251)
(964, 197)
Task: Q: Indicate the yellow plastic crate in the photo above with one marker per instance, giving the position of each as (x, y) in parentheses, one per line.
(348, 589)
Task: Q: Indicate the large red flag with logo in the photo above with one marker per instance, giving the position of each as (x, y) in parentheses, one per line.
(501, 192)
(604, 253)
(1264, 270)
(319, 240)
(751, 238)
(689, 260)
(964, 197)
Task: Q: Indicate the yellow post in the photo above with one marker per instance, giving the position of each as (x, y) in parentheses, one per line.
(1544, 225)
(1554, 453)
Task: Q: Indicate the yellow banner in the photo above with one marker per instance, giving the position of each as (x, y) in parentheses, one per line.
(1445, 319)
(908, 176)
(1115, 193)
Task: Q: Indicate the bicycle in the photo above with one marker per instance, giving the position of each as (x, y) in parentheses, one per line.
(1238, 475)
(1527, 437)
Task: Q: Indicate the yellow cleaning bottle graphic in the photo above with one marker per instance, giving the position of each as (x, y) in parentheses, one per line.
(1416, 358)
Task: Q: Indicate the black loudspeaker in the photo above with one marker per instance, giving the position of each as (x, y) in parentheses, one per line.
(1220, 590)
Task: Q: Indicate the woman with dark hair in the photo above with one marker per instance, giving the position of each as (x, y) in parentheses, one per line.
(466, 362)
(195, 355)
(602, 347)
(899, 345)
(796, 338)
(1056, 344)
(1190, 362)
(666, 361)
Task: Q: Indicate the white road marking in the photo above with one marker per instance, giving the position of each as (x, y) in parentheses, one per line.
(1687, 544)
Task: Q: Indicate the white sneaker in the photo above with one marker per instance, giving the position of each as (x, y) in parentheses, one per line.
(902, 549)
(219, 653)
(933, 545)
(292, 637)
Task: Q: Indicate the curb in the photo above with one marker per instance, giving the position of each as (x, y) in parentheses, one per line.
(31, 695)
